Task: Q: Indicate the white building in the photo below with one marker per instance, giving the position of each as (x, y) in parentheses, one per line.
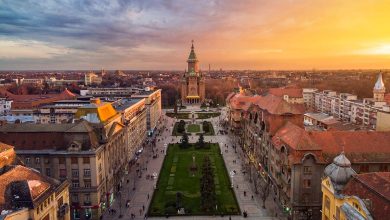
(5, 106)
(347, 107)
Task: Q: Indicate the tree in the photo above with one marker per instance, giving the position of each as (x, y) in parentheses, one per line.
(265, 192)
(181, 126)
(201, 143)
(184, 140)
(207, 186)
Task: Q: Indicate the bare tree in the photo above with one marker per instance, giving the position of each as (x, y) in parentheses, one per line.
(265, 189)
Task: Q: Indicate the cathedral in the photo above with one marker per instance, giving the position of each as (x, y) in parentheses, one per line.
(192, 82)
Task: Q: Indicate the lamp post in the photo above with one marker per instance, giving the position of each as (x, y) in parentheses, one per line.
(231, 177)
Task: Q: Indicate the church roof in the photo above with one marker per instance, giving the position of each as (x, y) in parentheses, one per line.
(379, 85)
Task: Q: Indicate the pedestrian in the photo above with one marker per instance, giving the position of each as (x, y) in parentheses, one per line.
(143, 208)
(244, 193)
(148, 196)
(252, 197)
(140, 212)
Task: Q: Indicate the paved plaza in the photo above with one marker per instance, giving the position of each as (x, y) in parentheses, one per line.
(138, 194)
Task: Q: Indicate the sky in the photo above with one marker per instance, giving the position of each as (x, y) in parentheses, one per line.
(228, 34)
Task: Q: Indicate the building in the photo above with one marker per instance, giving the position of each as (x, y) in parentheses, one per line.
(280, 152)
(290, 94)
(118, 92)
(33, 101)
(92, 78)
(92, 154)
(5, 106)
(335, 205)
(58, 112)
(347, 107)
(193, 81)
(153, 108)
(134, 114)
(308, 98)
(27, 194)
(350, 196)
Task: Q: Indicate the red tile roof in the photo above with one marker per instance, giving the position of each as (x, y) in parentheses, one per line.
(290, 91)
(30, 101)
(374, 187)
(359, 146)
(277, 105)
(295, 137)
(36, 182)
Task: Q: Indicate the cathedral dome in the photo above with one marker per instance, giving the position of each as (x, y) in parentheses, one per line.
(340, 171)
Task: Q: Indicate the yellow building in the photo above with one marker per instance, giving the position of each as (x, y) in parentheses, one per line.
(335, 205)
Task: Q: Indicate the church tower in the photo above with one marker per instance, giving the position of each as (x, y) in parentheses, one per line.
(379, 89)
(192, 82)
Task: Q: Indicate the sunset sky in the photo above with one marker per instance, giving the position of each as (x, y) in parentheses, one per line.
(228, 34)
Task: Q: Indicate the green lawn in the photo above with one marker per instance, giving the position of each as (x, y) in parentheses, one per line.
(193, 128)
(210, 132)
(175, 176)
(208, 115)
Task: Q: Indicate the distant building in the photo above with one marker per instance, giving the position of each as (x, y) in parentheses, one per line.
(58, 112)
(193, 82)
(116, 92)
(92, 78)
(5, 106)
(293, 95)
(347, 107)
(27, 194)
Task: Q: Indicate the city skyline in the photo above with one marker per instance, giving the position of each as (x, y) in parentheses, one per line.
(156, 35)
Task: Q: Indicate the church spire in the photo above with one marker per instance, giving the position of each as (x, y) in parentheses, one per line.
(192, 56)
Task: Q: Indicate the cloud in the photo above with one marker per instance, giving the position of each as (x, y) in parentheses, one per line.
(29, 49)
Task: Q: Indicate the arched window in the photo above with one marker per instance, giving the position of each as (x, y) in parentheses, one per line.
(250, 116)
(256, 117)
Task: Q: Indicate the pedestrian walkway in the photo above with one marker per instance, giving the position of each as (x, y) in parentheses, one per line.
(139, 198)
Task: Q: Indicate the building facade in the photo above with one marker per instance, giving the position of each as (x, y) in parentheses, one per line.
(153, 108)
(193, 81)
(92, 154)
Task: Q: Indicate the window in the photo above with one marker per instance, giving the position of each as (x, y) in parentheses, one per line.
(75, 183)
(383, 168)
(307, 170)
(75, 198)
(48, 172)
(75, 173)
(87, 183)
(327, 202)
(74, 160)
(61, 160)
(307, 183)
(47, 161)
(86, 160)
(364, 168)
(27, 160)
(37, 160)
(87, 173)
(337, 213)
(63, 173)
(87, 198)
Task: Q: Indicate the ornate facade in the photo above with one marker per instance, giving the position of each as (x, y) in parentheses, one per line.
(193, 82)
